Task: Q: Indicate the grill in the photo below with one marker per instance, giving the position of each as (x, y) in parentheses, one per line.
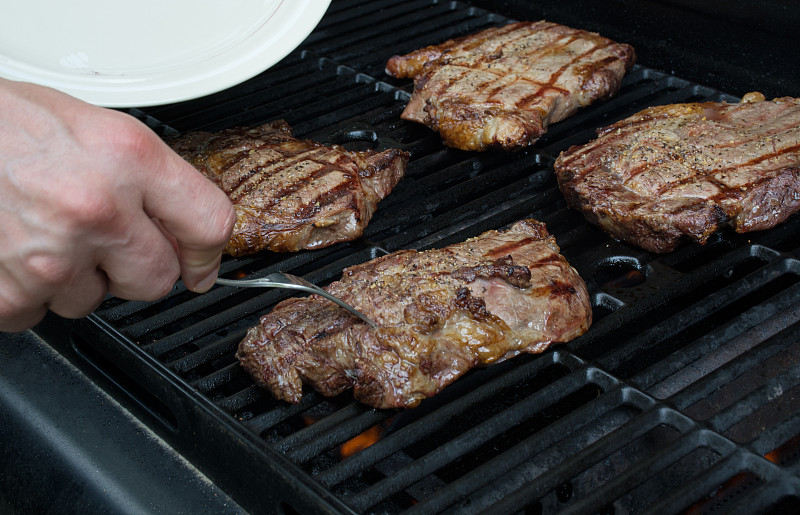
(682, 397)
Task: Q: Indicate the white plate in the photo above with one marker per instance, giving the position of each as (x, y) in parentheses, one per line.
(117, 53)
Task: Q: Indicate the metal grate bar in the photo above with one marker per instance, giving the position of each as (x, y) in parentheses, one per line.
(699, 311)
(504, 463)
(740, 365)
(691, 492)
(280, 412)
(749, 327)
(772, 438)
(461, 444)
(755, 400)
(561, 472)
(645, 469)
(350, 414)
(438, 420)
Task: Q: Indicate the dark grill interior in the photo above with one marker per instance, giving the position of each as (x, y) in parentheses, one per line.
(682, 397)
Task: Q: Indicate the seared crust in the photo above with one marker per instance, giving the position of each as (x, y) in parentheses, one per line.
(440, 313)
(682, 171)
(291, 194)
(504, 86)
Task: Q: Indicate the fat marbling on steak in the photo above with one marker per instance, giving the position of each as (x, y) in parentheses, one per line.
(682, 171)
(504, 86)
(291, 194)
(439, 312)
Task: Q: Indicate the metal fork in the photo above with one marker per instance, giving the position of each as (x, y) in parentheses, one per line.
(293, 282)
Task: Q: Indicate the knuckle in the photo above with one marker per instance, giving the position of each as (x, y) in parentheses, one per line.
(90, 208)
(81, 207)
(132, 140)
(48, 269)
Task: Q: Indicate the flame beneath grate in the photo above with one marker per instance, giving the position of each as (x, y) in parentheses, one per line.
(787, 453)
(360, 442)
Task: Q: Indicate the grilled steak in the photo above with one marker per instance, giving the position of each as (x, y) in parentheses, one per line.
(681, 171)
(503, 87)
(440, 313)
(291, 194)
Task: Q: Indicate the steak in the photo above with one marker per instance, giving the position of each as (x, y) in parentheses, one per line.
(680, 172)
(504, 86)
(439, 313)
(291, 194)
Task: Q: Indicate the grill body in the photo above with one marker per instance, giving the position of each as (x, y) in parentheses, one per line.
(681, 397)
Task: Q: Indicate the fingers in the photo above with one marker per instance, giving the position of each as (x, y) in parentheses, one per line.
(198, 215)
(48, 282)
(194, 214)
(145, 267)
(84, 292)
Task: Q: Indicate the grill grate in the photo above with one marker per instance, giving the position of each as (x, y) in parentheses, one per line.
(681, 397)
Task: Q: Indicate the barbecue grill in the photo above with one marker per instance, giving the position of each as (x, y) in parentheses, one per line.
(682, 397)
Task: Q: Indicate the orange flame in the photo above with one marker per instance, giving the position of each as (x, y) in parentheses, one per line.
(773, 456)
(307, 419)
(362, 441)
(788, 448)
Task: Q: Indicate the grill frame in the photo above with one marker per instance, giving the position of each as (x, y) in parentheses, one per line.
(241, 461)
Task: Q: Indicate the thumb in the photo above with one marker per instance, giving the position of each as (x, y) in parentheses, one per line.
(195, 215)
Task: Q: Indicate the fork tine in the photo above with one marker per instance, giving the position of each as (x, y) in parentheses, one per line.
(284, 280)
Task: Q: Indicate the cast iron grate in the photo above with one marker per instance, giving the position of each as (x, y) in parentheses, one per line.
(682, 396)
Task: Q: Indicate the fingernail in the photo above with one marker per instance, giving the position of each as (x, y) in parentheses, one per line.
(206, 283)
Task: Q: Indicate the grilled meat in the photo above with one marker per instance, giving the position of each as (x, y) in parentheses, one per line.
(504, 86)
(291, 194)
(440, 313)
(681, 171)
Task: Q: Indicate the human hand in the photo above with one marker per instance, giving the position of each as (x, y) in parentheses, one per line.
(94, 202)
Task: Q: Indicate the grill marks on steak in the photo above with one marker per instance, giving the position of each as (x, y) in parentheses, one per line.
(682, 171)
(440, 313)
(291, 194)
(504, 86)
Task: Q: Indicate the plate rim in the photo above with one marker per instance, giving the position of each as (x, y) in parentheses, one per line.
(201, 79)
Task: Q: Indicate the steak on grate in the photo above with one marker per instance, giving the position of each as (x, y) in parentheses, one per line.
(504, 86)
(440, 313)
(681, 171)
(291, 194)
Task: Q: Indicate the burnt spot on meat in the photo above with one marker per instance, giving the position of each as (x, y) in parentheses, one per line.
(511, 247)
(416, 313)
(550, 260)
(502, 268)
(465, 300)
(475, 305)
(561, 289)
(329, 198)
